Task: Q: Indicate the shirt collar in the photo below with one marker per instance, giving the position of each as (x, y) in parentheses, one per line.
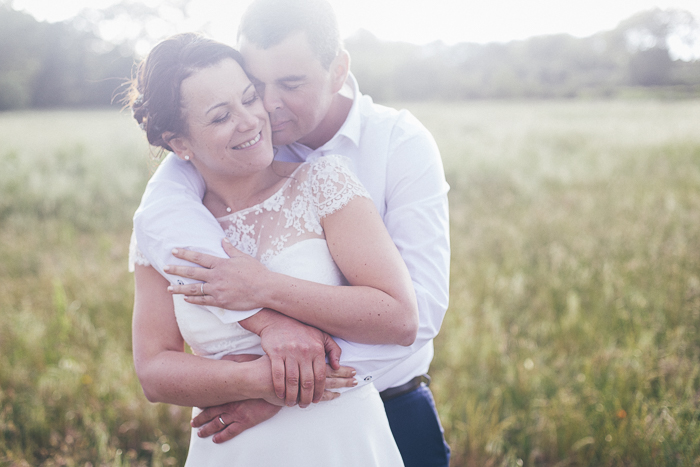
(352, 127)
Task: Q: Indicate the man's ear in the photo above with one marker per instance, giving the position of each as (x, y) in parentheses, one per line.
(178, 144)
(340, 68)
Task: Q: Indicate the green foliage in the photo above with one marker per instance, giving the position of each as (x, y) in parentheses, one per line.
(572, 335)
(636, 54)
(68, 392)
(56, 65)
(68, 65)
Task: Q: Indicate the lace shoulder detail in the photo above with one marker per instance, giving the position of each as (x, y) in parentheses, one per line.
(332, 184)
(135, 255)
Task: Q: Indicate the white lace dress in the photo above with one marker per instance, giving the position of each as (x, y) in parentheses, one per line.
(285, 234)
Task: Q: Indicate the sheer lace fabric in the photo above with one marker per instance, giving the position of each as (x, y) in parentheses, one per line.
(285, 233)
(316, 189)
(293, 214)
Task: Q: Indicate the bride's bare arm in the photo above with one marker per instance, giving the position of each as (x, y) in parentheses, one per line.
(380, 308)
(168, 374)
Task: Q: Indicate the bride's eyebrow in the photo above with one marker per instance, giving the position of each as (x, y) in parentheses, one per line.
(215, 106)
(221, 104)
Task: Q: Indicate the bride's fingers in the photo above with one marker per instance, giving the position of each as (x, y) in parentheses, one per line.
(192, 272)
(203, 259)
(196, 289)
(343, 377)
(336, 383)
(230, 250)
(342, 372)
(329, 395)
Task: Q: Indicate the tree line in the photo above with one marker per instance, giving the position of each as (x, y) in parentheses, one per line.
(635, 57)
(67, 64)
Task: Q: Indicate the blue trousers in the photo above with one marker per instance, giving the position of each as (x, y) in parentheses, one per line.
(417, 430)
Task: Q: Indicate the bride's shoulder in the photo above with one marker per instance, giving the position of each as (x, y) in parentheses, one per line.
(330, 162)
(286, 169)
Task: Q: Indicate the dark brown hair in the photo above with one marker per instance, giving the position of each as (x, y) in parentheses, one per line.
(266, 23)
(154, 93)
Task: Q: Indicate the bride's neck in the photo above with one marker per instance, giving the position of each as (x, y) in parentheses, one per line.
(226, 194)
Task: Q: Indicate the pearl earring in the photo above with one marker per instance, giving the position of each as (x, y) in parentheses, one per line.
(187, 157)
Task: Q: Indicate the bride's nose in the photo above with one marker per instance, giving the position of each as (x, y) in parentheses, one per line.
(247, 121)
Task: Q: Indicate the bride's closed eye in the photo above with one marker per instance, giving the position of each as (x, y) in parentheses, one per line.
(221, 118)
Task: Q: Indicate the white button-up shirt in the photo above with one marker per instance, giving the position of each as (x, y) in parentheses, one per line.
(396, 159)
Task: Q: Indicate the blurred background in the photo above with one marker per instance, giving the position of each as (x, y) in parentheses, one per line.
(58, 54)
(569, 136)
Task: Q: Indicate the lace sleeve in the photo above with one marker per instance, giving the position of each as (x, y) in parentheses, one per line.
(135, 255)
(333, 184)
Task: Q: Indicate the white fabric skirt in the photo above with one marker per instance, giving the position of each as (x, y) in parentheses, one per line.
(351, 431)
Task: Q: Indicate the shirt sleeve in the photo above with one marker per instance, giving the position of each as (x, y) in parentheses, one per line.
(171, 215)
(417, 218)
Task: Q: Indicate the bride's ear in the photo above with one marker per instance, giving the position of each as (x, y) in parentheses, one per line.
(178, 144)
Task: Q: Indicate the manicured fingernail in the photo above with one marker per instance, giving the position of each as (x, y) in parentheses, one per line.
(353, 372)
(166, 268)
(174, 251)
(227, 240)
(354, 382)
(170, 288)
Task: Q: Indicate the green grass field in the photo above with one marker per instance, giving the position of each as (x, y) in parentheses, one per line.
(572, 337)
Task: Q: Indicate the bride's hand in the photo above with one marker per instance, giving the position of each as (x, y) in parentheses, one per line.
(234, 283)
(343, 377)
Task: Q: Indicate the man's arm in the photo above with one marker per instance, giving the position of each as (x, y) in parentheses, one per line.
(417, 218)
(171, 214)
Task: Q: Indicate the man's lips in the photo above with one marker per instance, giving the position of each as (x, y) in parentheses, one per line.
(277, 126)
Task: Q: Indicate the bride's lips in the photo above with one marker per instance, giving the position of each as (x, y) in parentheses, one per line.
(250, 143)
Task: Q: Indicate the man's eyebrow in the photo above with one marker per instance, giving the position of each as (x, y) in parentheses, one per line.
(221, 104)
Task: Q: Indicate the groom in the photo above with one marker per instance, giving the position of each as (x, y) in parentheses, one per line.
(294, 56)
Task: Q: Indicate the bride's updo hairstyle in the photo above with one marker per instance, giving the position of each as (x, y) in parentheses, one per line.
(154, 93)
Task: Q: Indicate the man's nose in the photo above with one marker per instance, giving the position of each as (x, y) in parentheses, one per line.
(271, 100)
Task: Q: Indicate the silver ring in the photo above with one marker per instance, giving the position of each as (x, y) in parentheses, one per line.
(201, 288)
(222, 420)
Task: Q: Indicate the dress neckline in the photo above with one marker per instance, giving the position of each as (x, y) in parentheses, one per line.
(284, 186)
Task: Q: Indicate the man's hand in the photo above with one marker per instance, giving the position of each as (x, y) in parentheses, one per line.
(229, 420)
(297, 352)
(297, 355)
(237, 416)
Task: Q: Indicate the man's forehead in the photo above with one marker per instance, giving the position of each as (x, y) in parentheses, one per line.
(290, 59)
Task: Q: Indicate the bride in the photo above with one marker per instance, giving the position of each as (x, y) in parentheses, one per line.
(314, 249)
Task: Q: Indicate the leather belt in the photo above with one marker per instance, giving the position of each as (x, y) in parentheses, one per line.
(412, 385)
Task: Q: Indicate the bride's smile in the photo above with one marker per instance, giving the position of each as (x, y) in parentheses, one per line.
(227, 127)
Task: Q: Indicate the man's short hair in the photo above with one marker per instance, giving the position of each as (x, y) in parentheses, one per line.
(266, 23)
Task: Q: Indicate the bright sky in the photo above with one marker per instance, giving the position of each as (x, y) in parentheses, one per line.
(417, 21)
